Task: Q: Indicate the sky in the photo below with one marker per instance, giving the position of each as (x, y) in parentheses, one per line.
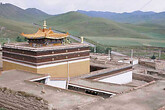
(62, 6)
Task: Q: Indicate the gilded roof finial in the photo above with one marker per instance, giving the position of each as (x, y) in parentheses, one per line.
(44, 24)
(82, 39)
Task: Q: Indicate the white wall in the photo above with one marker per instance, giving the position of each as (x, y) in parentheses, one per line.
(135, 62)
(119, 79)
(56, 83)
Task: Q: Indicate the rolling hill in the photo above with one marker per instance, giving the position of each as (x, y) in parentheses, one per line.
(13, 12)
(83, 25)
(108, 32)
(136, 17)
(37, 14)
(14, 20)
(12, 29)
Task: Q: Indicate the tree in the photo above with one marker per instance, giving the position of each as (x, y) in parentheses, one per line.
(18, 39)
(100, 49)
(25, 39)
(107, 50)
(91, 48)
(153, 57)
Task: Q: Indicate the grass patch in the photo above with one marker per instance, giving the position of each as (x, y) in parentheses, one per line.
(141, 51)
(118, 41)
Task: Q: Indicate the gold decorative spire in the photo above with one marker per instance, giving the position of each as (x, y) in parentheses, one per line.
(45, 33)
(44, 24)
(82, 39)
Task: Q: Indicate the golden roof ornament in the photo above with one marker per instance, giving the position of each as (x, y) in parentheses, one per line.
(44, 24)
(45, 33)
(82, 39)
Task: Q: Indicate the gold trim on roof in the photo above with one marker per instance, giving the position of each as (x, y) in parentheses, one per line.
(45, 33)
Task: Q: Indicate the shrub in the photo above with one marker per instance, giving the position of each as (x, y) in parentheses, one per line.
(18, 39)
(153, 57)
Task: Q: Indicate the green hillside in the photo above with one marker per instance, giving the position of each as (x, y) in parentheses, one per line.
(136, 17)
(14, 20)
(155, 34)
(37, 14)
(12, 29)
(82, 25)
(13, 12)
(108, 32)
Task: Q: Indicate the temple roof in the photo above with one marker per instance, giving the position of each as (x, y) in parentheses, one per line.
(45, 33)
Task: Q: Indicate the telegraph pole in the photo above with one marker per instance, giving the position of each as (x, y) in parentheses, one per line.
(159, 54)
(8, 40)
(95, 49)
(109, 54)
(131, 53)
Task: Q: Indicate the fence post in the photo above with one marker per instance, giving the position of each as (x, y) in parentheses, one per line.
(8, 40)
(109, 55)
(95, 49)
(159, 54)
(131, 53)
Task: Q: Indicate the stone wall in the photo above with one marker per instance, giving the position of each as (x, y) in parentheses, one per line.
(156, 73)
(160, 65)
(157, 64)
(18, 100)
(147, 63)
(143, 77)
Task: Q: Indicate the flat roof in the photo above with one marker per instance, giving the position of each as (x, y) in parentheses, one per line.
(102, 60)
(25, 46)
(147, 98)
(107, 72)
(114, 88)
(61, 99)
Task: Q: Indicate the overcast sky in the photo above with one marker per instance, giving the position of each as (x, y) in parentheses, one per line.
(61, 6)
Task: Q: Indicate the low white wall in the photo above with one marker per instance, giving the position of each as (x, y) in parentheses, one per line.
(119, 79)
(135, 62)
(56, 83)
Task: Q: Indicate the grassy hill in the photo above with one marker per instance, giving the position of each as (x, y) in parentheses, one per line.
(82, 25)
(37, 14)
(108, 32)
(11, 29)
(155, 36)
(136, 17)
(14, 20)
(13, 12)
